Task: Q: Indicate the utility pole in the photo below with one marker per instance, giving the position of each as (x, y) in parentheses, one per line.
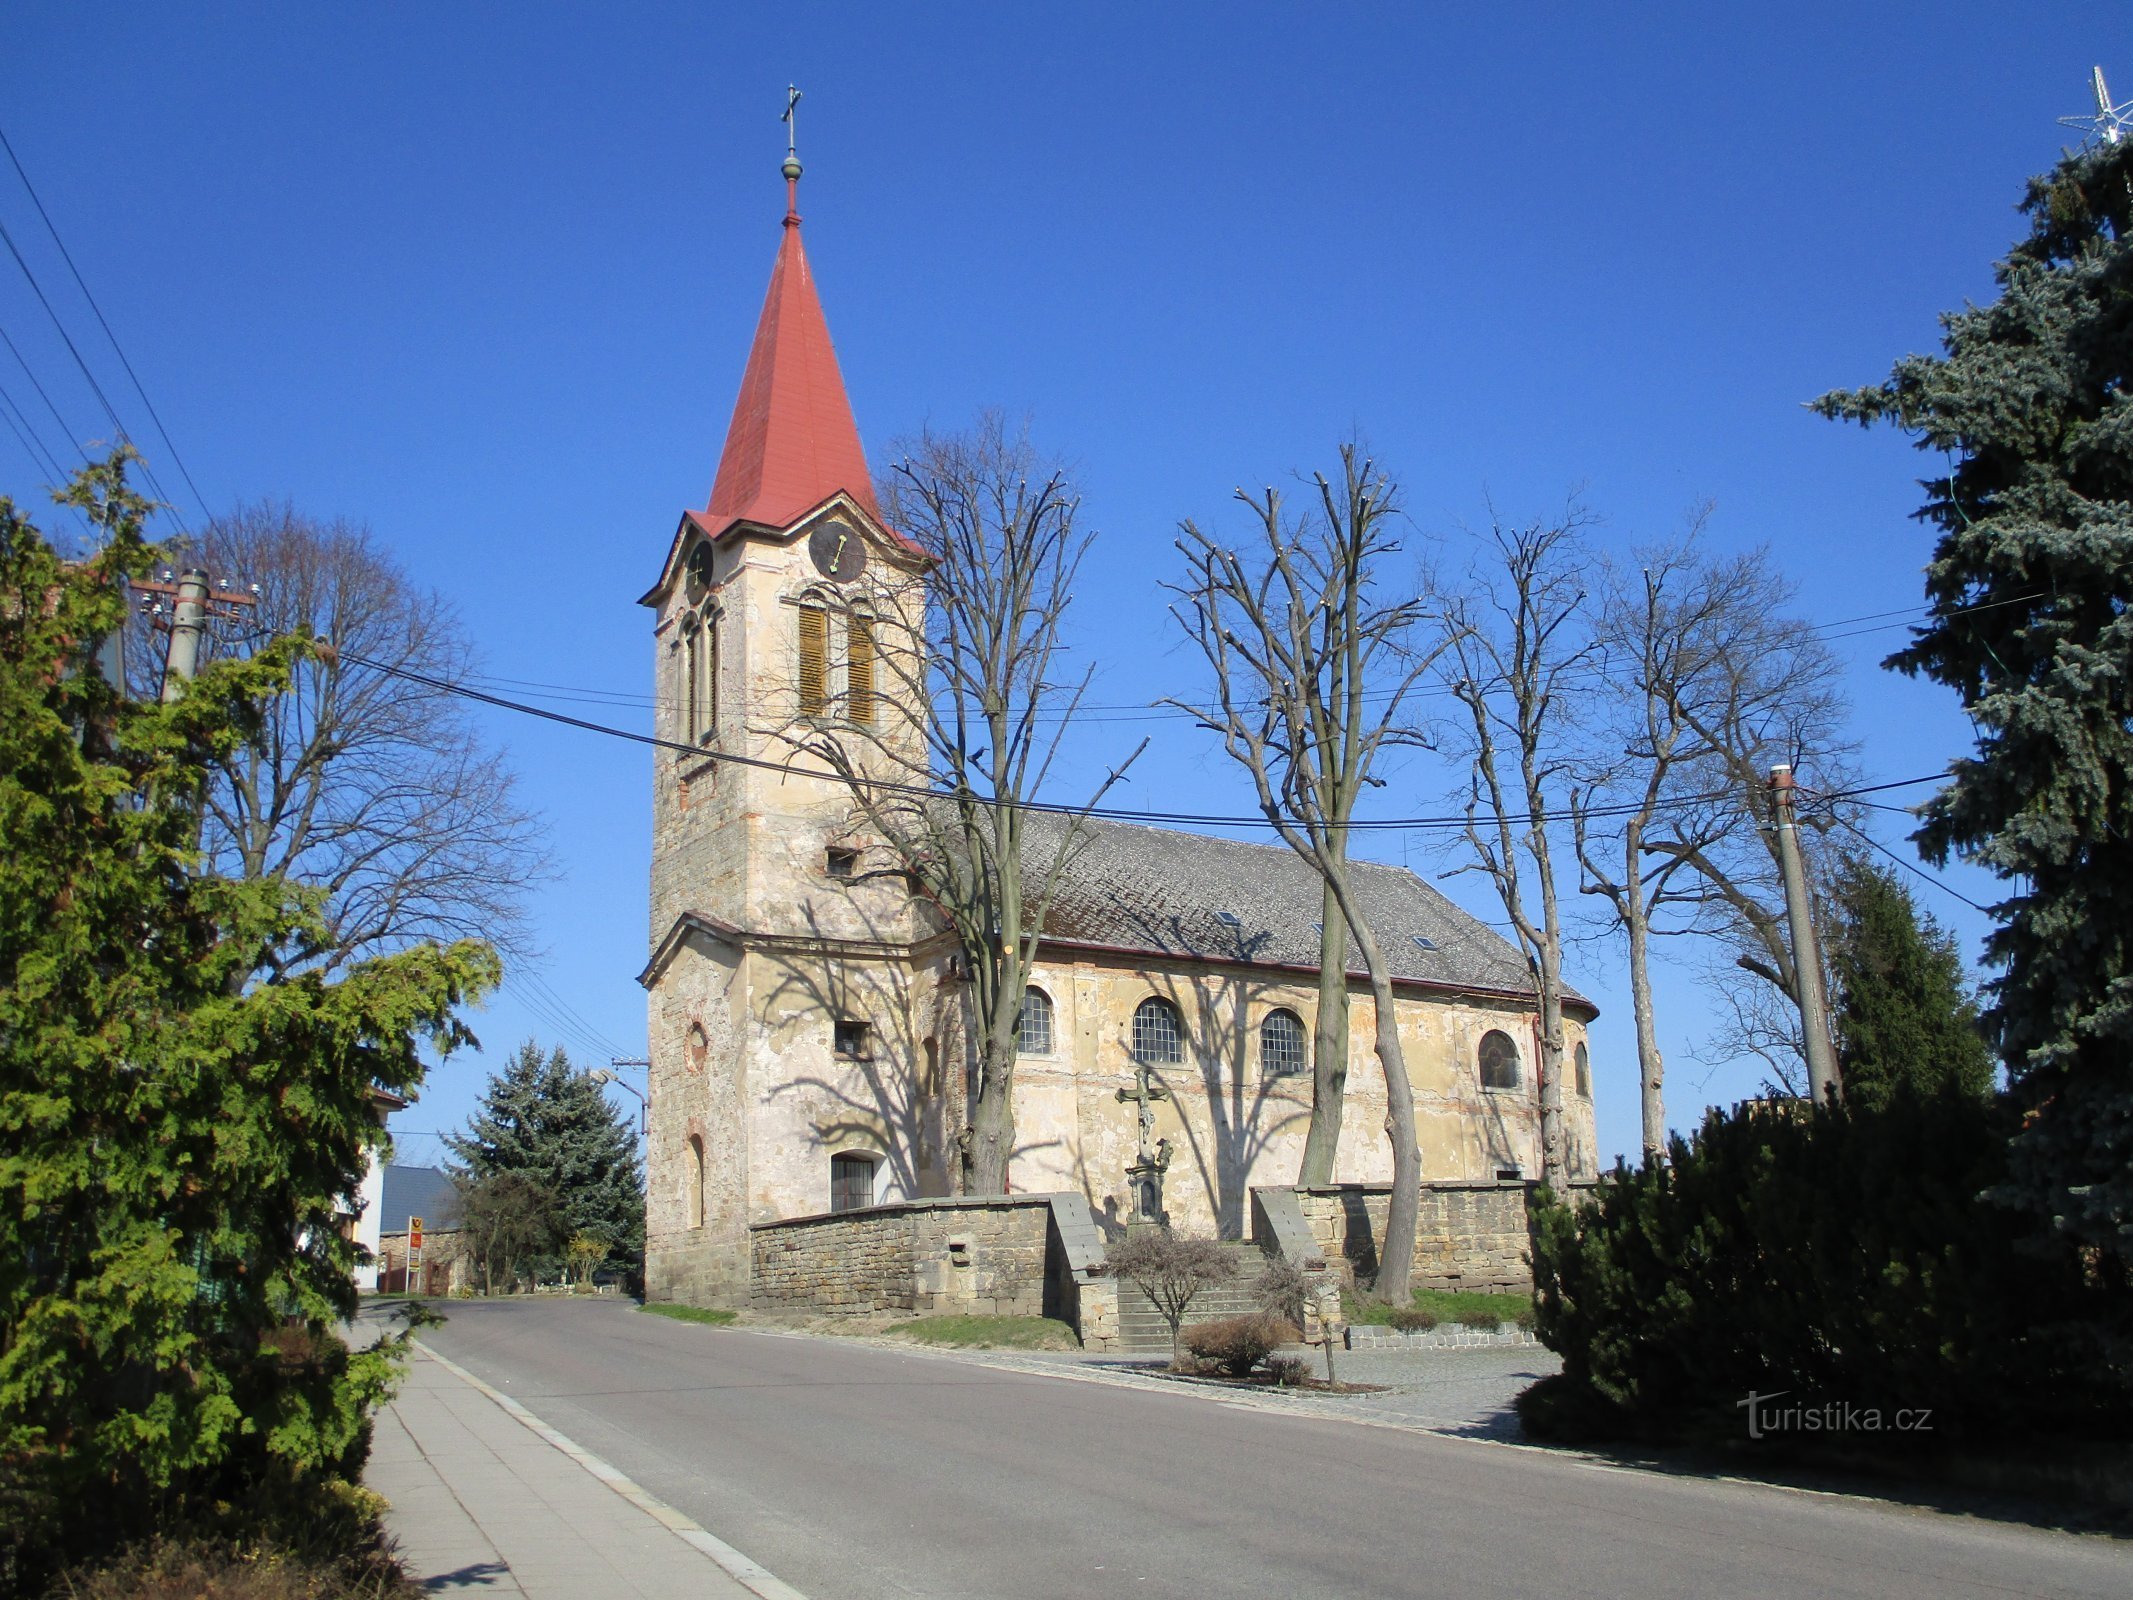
(192, 603)
(1806, 953)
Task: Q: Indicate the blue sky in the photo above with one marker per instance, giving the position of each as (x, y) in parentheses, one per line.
(484, 278)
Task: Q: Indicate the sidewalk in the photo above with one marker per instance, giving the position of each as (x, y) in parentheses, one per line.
(483, 1503)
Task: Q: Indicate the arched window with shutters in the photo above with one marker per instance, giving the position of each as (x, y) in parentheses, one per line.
(1033, 1032)
(1281, 1045)
(1499, 1060)
(1583, 1060)
(703, 682)
(859, 700)
(1158, 1032)
(814, 660)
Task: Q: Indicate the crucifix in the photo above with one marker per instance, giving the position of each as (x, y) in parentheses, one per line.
(1146, 1093)
(792, 155)
(1144, 1176)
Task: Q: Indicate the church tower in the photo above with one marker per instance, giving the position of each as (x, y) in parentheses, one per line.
(779, 979)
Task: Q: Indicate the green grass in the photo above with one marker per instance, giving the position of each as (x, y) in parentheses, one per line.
(666, 1308)
(999, 1333)
(1449, 1306)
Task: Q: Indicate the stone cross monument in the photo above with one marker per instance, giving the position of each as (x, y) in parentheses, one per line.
(1144, 1176)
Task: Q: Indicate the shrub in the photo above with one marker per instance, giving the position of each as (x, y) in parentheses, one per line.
(207, 1569)
(1287, 1370)
(1282, 1288)
(1837, 1254)
(1489, 1321)
(1411, 1319)
(1238, 1344)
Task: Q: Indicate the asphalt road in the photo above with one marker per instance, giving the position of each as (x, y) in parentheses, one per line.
(854, 1473)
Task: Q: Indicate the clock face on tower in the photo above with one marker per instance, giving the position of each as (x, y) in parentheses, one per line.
(838, 550)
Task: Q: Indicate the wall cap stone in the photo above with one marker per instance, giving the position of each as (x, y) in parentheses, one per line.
(896, 1208)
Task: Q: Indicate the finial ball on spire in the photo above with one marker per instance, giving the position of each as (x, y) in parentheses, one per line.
(791, 169)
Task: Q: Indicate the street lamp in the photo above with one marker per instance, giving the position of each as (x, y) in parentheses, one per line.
(644, 1114)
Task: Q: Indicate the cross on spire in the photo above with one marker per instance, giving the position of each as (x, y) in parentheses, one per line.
(2108, 123)
(792, 153)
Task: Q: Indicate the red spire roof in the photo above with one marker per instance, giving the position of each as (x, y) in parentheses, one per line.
(792, 442)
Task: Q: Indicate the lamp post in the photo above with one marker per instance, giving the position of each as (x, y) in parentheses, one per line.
(644, 1104)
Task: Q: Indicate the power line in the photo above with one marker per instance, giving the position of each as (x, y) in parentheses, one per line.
(1107, 813)
(118, 349)
(1915, 871)
(95, 388)
(631, 699)
(66, 432)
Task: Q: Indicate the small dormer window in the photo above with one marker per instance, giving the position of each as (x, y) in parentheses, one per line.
(841, 863)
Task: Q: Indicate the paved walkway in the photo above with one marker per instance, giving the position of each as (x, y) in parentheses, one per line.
(487, 1499)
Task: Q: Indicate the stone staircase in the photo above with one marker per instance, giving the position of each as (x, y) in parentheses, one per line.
(1141, 1328)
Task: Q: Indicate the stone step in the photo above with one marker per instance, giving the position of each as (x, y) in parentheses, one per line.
(1143, 1329)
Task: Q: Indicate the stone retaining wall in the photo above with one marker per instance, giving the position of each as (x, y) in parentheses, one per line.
(1373, 1338)
(1008, 1255)
(1467, 1235)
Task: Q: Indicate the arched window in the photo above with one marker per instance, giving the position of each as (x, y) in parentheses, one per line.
(859, 670)
(1499, 1061)
(1281, 1045)
(696, 1181)
(1158, 1033)
(699, 1048)
(692, 646)
(1583, 1059)
(851, 1182)
(814, 660)
(1033, 1035)
(703, 683)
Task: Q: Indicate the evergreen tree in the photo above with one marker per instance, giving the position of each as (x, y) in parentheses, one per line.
(1905, 1022)
(2030, 582)
(542, 1118)
(180, 1127)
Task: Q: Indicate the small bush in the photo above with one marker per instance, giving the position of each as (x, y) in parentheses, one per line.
(1287, 1370)
(1238, 1344)
(197, 1568)
(1488, 1321)
(1411, 1320)
(1283, 1289)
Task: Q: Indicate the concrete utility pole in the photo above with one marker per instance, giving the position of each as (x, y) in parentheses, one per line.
(1806, 953)
(188, 621)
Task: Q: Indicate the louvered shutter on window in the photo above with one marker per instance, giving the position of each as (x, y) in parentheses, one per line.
(814, 660)
(859, 671)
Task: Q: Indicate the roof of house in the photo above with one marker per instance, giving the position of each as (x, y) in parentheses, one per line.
(424, 1192)
(1163, 891)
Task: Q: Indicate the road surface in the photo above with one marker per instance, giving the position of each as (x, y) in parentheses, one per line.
(856, 1473)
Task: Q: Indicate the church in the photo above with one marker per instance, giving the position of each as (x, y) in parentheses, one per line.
(807, 1016)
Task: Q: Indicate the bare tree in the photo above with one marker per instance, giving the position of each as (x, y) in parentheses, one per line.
(1757, 688)
(1313, 669)
(372, 787)
(1660, 634)
(1521, 651)
(1172, 1270)
(965, 721)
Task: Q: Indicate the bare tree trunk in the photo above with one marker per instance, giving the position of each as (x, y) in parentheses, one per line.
(1329, 1047)
(992, 1125)
(1651, 1069)
(1396, 1251)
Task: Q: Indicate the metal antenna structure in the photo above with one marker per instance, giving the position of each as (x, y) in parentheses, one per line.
(2108, 123)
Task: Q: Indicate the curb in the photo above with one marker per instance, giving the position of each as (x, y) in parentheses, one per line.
(750, 1575)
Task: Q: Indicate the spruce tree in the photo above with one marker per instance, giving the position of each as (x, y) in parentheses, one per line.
(1905, 1022)
(542, 1118)
(2030, 582)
